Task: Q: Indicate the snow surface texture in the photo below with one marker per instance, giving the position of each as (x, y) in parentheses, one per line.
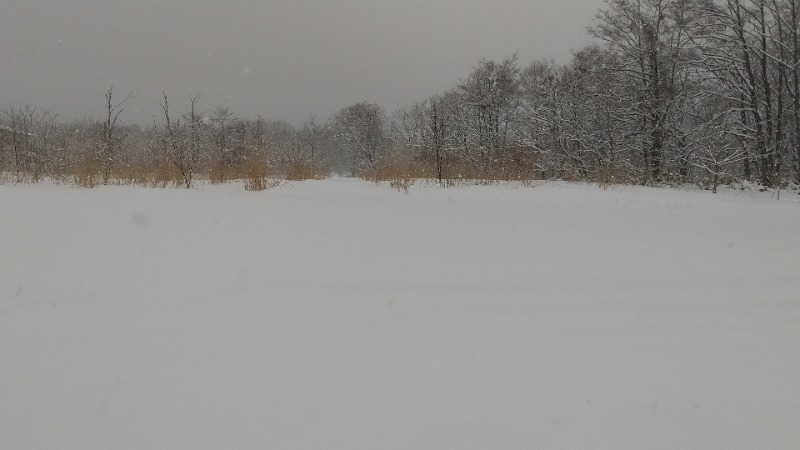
(342, 315)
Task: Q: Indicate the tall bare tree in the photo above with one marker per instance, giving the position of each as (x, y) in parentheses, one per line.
(362, 129)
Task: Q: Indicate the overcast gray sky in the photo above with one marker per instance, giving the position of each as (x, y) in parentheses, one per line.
(276, 58)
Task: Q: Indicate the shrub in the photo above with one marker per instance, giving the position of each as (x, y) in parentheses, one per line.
(399, 169)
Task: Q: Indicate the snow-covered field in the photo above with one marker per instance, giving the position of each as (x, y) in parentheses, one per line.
(338, 314)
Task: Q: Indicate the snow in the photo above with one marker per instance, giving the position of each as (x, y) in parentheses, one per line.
(338, 314)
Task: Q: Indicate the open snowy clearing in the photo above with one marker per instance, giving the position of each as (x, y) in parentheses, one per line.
(338, 314)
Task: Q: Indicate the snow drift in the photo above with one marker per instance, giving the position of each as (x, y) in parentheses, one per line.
(337, 314)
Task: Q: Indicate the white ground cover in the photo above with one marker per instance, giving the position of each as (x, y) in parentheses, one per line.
(338, 314)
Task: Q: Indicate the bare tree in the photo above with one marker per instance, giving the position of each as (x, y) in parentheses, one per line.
(178, 149)
(718, 148)
(652, 40)
(362, 130)
(491, 94)
(111, 140)
(222, 119)
(28, 139)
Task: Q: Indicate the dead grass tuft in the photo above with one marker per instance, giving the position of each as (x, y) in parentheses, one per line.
(609, 174)
(399, 169)
(300, 169)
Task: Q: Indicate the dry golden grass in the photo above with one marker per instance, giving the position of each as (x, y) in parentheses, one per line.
(609, 175)
(165, 175)
(399, 169)
(85, 171)
(301, 169)
(261, 184)
(18, 178)
(132, 174)
(218, 172)
(257, 172)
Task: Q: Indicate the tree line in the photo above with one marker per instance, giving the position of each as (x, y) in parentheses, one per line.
(670, 92)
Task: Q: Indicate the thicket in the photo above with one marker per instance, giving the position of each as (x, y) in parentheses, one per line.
(212, 147)
(704, 92)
